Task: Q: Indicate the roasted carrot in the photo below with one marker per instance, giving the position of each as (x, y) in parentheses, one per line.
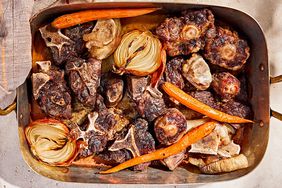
(192, 103)
(72, 19)
(191, 137)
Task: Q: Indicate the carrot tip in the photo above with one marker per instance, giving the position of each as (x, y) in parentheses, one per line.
(103, 172)
(190, 102)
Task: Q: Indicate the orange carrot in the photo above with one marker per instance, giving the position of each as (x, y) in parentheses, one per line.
(191, 137)
(72, 19)
(190, 102)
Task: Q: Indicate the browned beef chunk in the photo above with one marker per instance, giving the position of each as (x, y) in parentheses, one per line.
(137, 86)
(84, 79)
(76, 33)
(67, 44)
(106, 121)
(110, 121)
(115, 157)
(55, 100)
(170, 29)
(112, 88)
(170, 127)
(93, 140)
(137, 140)
(128, 107)
(144, 141)
(97, 143)
(227, 50)
(203, 18)
(61, 47)
(173, 72)
(100, 104)
(103, 126)
(188, 33)
(149, 104)
(206, 97)
(60, 57)
(51, 91)
(226, 85)
(236, 109)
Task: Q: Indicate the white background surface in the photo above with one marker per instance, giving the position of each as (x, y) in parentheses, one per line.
(15, 173)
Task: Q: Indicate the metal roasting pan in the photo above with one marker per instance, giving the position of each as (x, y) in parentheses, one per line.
(256, 136)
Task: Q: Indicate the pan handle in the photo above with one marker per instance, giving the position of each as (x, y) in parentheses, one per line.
(274, 80)
(275, 114)
(9, 109)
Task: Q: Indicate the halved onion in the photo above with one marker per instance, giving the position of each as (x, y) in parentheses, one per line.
(138, 53)
(50, 142)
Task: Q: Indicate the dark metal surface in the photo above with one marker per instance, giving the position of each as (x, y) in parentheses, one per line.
(256, 137)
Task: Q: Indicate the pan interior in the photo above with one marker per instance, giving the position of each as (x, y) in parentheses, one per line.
(256, 137)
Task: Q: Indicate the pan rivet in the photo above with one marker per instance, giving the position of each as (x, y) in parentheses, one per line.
(261, 123)
(261, 67)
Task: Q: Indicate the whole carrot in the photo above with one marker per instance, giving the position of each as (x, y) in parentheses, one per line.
(191, 137)
(73, 19)
(190, 102)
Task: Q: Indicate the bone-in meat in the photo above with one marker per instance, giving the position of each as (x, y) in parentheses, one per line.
(51, 91)
(227, 50)
(173, 72)
(84, 79)
(188, 33)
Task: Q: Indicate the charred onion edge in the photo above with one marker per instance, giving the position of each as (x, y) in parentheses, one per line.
(64, 128)
(121, 56)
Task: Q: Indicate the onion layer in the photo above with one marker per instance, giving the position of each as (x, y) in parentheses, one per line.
(139, 53)
(49, 142)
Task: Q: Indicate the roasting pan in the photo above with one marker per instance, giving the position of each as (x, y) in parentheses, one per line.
(256, 138)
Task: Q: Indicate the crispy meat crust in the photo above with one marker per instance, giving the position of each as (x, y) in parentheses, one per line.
(187, 34)
(227, 50)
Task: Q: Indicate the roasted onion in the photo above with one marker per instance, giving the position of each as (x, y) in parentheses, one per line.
(49, 142)
(139, 53)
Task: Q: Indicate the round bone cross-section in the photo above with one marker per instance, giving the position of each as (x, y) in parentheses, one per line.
(170, 127)
(227, 50)
(225, 84)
